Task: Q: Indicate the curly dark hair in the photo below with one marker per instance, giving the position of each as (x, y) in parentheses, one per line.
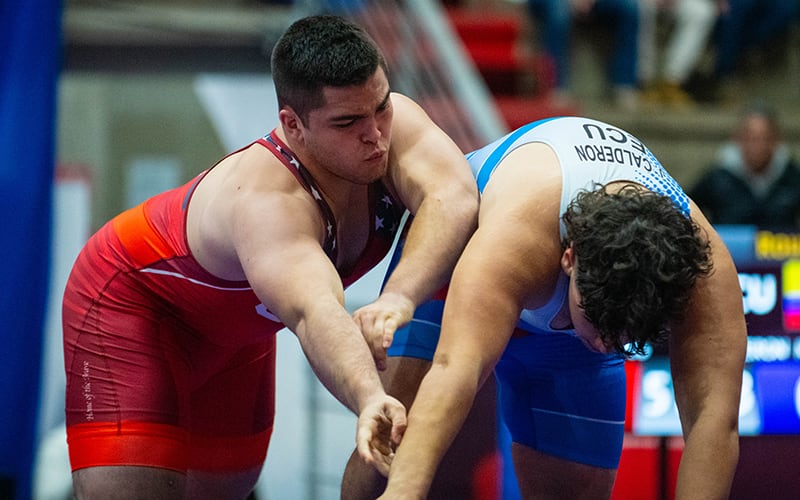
(321, 51)
(638, 258)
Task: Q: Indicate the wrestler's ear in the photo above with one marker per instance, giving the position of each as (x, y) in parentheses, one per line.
(291, 123)
(568, 260)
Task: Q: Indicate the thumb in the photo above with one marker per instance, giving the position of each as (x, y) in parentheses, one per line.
(399, 418)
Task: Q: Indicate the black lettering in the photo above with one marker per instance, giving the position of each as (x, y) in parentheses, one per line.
(621, 137)
(638, 145)
(587, 128)
(629, 155)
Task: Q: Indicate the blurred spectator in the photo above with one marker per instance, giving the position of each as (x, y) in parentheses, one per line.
(755, 179)
(691, 23)
(554, 18)
(745, 24)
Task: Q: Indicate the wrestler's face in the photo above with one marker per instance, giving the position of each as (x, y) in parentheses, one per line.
(757, 141)
(584, 329)
(349, 136)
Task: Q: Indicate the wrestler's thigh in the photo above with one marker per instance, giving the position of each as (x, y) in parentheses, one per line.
(541, 476)
(231, 423)
(127, 483)
(402, 377)
(124, 364)
(411, 352)
(213, 486)
(562, 400)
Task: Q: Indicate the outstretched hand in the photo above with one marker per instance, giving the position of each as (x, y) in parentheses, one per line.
(380, 319)
(379, 430)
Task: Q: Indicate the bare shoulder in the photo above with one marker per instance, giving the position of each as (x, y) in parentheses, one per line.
(423, 158)
(528, 181)
(411, 122)
(250, 174)
(520, 214)
(405, 104)
(231, 204)
(698, 217)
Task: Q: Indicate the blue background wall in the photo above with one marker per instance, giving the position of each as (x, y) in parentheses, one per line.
(30, 56)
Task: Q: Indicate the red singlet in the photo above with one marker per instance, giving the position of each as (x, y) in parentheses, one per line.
(168, 365)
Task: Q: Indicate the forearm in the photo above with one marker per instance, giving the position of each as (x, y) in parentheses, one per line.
(436, 238)
(340, 357)
(439, 410)
(708, 463)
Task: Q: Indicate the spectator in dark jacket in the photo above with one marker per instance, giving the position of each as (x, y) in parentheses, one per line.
(755, 179)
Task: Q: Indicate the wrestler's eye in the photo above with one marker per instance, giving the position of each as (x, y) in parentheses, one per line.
(344, 123)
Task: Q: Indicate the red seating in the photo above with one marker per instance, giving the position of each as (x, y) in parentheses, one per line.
(520, 81)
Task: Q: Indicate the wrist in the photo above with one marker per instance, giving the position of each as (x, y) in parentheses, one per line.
(398, 297)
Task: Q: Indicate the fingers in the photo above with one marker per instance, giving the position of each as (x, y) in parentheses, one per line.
(397, 415)
(380, 428)
(374, 447)
(374, 337)
(378, 327)
(380, 358)
(383, 463)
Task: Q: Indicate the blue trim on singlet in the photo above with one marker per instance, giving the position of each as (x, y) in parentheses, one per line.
(494, 158)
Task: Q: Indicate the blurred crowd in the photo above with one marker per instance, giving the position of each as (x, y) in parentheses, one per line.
(677, 54)
(659, 49)
(755, 179)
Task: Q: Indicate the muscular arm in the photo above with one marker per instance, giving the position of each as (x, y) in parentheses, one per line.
(433, 179)
(506, 266)
(282, 258)
(480, 314)
(707, 356)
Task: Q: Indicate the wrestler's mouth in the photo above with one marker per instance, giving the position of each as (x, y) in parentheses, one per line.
(376, 155)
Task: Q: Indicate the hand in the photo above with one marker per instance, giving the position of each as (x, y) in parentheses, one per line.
(379, 430)
(380, 319)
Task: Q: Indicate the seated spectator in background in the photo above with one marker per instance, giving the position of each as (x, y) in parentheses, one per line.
(755, 179)
(691, 24)
(554, 17)
(744, 24)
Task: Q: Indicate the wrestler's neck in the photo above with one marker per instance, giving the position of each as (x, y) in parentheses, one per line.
(563, 319)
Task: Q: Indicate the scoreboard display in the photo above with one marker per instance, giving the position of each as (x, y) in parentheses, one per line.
(768, 264)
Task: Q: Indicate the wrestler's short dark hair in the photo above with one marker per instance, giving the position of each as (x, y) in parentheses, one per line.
(321, 51)
(638, 257)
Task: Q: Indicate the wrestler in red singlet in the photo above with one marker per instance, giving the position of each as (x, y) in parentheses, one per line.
(168, 365)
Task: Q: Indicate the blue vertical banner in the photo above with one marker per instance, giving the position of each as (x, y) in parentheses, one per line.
(30, 61)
